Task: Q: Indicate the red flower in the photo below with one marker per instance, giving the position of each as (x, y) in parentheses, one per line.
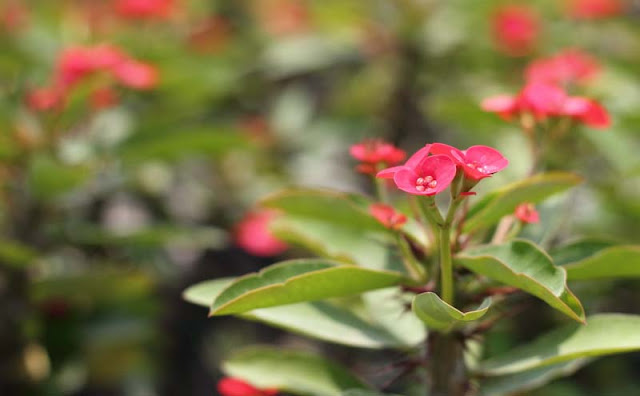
(14, 15)
(252, 234)
(386, 215)
(43, 99)
(594, 9)
(136, 75)
(477, 162)
(503, 105)
(546, 100)
(527, 213)
(103, 97)
(412, 162)
(236, 387)
(515, 29)
(430, 177)
(283, 17)
(373, 153)
(565, 67)
(75, 63)
(143, 9)
(588, 111)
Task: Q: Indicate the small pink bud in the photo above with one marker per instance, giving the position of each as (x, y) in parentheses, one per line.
(387, 215)
(252, 234)
(527, 213)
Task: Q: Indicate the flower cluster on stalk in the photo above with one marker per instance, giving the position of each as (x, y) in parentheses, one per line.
(77, 64)
(544, 94)
(434, 167)
(375, 155)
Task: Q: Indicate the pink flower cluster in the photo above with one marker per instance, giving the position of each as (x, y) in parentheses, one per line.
(76, 64)
(566, 67)
(432, 168)
(230, 386)
(527, 213)
(594, 9)
(376, 154)
(252, 234)
(543, 95)
(387, 216)
(515, 29)
(144, 9)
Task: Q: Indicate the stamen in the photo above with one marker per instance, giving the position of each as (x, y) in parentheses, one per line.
(420, 181)
(429, 179)
(420, 188)
(433, 184)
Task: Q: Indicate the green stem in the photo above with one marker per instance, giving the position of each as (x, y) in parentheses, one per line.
(381, 190)
(415, 268)
(446, 265)
(446, 262)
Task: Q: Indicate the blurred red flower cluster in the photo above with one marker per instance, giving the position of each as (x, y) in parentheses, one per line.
(544, 92)
(144, 9)
(594, 9)
(515, 29)
(76, 64)
(230, 386)
(252, 234)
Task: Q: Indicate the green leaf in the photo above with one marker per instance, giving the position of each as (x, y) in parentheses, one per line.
(49, 178)
(291, 371)
(174, 144)
(323, 320)
(152, 236)
(16, 254)
(587, 259)
(204, 293)
(387, 308)
(578, 250)
(333, 225)
(296, 281)
(520, 382)
(504, 201)
(604, 334)
(522, 264)
(441, 316)
(97, 285)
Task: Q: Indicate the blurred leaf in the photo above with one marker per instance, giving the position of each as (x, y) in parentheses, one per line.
(504, 201)
(176, 144)
(333, 225)
(516, 383)
(592, 259)
(158, 235)
(16, 254)
(294, 372)
(49, 178)
(578, 250)
(295, 281)
(604, 334)
(105, 285)
(441, 316)
(324, 320)
(522, 264)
